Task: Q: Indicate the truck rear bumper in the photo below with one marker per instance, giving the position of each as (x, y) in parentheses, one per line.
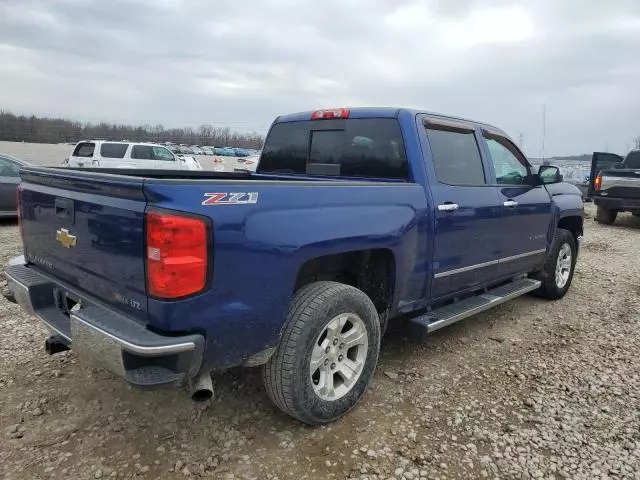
(617, 203)
(105, 336)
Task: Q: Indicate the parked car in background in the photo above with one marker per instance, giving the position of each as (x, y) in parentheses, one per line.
(247, 163)
(228, 152)
(241, 152)
(616, 185)
(196, 150)
(354, 218)
(106, 154)
(9, 180)
(207, 150)
(185, 150)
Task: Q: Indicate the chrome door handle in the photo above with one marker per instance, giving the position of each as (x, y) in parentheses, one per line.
(448, 207)
(510, 203)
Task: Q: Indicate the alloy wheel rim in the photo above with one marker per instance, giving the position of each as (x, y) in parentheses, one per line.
(563, 265)
(338, 356)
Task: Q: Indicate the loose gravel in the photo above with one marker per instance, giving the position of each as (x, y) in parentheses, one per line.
(532, 389)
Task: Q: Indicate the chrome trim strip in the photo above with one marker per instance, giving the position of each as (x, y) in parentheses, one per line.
(523, 255)
(612, 182)
(466, 269)
(140, 349)
(488, 264)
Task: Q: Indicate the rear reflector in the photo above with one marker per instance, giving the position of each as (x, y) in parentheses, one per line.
(177, 255)
(334, 113)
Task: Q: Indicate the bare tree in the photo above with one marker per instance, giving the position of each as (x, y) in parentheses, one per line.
(23, 128)
(637, 142)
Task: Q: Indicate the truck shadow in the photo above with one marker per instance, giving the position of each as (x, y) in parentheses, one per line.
(625, 221)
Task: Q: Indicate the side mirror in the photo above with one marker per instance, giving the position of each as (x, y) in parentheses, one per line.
(618, 166)
(549, 174)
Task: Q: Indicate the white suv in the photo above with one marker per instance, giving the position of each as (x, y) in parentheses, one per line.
(107, 154)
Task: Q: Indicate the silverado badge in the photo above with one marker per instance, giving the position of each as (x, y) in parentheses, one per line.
(65, 238)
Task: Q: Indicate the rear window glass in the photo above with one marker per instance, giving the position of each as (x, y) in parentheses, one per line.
(371, 147)
(84, 150)
(632, 160)
(113, 150)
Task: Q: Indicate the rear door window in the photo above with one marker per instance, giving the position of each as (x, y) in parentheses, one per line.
(371, 147)
(141, 152)
(456, 157)
(84, 149)
(113, 150)
(632, 160)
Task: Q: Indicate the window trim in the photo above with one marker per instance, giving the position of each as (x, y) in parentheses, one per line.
(512, 148)
(461, 129)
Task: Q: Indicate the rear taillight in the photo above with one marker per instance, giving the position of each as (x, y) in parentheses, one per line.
(334, 113)
(597, 183)
(177, 255)
(19, 210)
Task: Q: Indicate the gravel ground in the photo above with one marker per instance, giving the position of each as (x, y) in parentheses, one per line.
(532, 389)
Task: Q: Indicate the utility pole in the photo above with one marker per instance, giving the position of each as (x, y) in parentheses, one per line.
(544, 128)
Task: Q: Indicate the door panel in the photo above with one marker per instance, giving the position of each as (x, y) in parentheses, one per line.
(525, 209)
(9, 180)
(466, 243)
(8, 193)
(525, 219)
(467, 229)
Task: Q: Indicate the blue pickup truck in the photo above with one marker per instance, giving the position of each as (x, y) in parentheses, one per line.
(353, 218)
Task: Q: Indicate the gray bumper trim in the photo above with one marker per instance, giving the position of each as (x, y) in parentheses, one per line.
(103, 335)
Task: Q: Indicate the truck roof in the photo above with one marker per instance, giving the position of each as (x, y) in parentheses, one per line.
(382, 112)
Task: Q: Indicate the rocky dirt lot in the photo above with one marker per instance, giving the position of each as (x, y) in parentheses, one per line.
(533, 389)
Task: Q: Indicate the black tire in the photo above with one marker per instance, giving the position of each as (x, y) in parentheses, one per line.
(605, 216)
(549, 288)
(287, 376)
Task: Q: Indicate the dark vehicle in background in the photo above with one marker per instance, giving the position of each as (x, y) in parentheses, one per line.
(615, 185)
(9, 180)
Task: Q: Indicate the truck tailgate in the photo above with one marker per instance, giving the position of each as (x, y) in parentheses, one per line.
(623, 183)
(88, 230)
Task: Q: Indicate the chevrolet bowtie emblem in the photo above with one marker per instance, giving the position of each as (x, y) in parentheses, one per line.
(65, 238)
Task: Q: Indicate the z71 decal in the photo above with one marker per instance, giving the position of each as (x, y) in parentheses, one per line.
(240, 198)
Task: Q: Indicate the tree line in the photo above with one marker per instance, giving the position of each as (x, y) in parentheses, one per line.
(23, 128)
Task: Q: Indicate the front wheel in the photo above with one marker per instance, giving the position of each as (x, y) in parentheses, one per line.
(557, 273)
(327, 353)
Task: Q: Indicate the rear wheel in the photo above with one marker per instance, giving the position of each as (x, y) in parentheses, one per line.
(557, 273)
(327, 354)
(606, 216)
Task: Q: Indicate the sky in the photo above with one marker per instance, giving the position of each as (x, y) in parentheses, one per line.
(240, 63)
